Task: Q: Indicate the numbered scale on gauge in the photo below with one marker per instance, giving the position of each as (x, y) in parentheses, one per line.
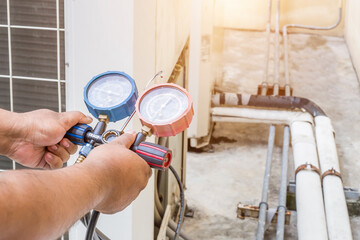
(166, 109)
(111, 93)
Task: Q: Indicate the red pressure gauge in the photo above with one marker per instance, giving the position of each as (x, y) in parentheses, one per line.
(166, 109)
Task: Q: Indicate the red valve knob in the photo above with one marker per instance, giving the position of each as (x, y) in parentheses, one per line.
(155, 155)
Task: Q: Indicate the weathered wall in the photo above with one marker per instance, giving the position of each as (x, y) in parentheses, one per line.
(172, 32)
(252, 14)
(352, 32)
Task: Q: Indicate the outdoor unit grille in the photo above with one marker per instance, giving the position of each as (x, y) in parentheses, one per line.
(32, 59)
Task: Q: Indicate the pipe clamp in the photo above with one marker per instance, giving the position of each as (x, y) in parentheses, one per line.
(330, 172)
(307, 166)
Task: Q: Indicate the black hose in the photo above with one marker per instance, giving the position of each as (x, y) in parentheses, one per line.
(182, 234)
(92, 225)
(98, 235)
(181, 202)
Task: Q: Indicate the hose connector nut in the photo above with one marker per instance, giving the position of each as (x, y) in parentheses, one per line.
(85, 150)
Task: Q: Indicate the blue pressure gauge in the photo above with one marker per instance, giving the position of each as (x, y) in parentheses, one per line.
(111, 93)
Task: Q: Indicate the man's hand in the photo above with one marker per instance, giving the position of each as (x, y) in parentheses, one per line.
(46, 203)
(125, 173)
(36, 139)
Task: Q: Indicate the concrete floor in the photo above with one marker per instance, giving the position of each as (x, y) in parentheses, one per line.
(321, 70)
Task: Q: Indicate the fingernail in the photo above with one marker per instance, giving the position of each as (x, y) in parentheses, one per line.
(50, 156)
(89, 118)
(131, 132)
(54, 147)
(65, 144)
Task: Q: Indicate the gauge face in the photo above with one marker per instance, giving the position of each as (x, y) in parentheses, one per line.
(163, 105)
(109, 90)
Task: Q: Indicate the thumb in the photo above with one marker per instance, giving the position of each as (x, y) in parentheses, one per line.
(126, 139)
(72, 118)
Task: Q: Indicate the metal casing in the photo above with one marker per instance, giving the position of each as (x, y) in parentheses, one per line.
(172, 128)
(117, 112)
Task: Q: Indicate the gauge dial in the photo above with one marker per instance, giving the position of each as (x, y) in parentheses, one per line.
(163, 104)
(111, 93)
(109, 90)
(166, 109)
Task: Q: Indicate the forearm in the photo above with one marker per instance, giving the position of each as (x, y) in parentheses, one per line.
(44, 204)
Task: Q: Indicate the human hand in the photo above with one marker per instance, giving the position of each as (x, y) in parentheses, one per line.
(36, 139)
(121, 172)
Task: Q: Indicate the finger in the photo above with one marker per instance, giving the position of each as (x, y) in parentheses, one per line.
(126, 139)
(53, 161)
(68, 145)
(72, 118)
(59, 151)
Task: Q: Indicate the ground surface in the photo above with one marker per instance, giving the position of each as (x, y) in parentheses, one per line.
(321, 70)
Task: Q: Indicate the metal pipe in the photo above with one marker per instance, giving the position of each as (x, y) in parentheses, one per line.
(283, 184)
(286, 55)
(264, 84)
(280, 227)
(276, 53)
(264, 196)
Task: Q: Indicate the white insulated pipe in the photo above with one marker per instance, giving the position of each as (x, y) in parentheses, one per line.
(337, 216)
(256, 115)
(311, 221)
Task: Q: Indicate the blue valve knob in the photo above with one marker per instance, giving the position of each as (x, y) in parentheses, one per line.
(77, 133)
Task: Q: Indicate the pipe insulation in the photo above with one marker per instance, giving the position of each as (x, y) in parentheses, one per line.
(256, 115)
(337, 216)
(311, 221)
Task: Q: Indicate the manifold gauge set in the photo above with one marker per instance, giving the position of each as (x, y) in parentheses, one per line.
(163, 109)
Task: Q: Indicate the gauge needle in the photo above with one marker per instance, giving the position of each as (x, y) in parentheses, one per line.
(159, 113)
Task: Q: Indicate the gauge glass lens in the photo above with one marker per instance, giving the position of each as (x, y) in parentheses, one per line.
(163, 105)
(109, 90)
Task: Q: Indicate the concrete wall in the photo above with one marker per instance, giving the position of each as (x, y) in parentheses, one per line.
(352, 32)
(252, 14)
